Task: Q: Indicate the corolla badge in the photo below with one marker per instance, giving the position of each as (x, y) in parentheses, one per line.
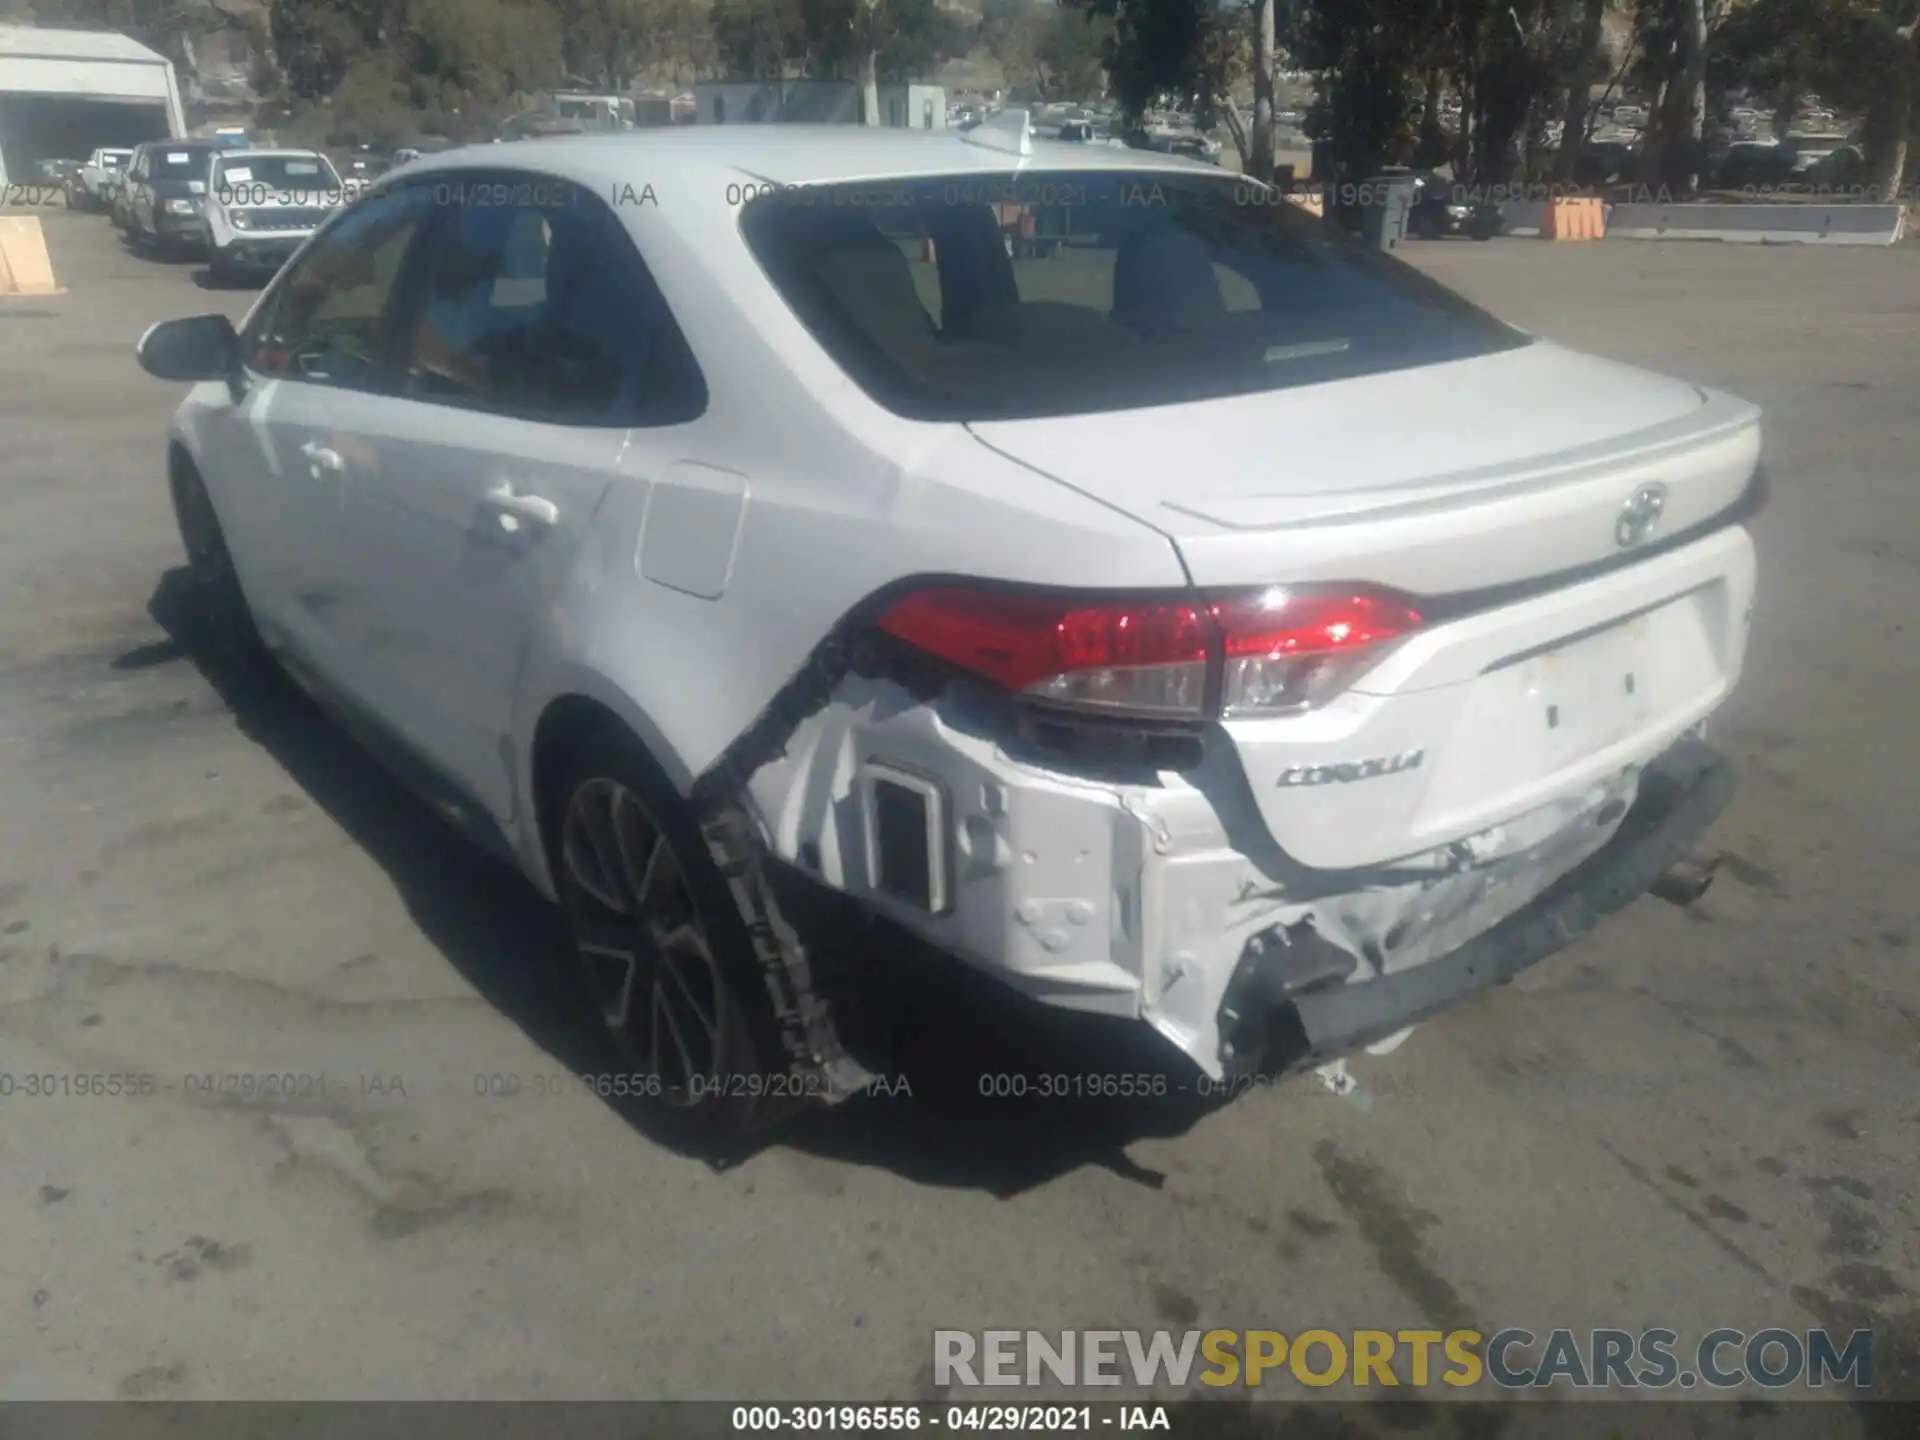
(1640, 516)
(1344, 774)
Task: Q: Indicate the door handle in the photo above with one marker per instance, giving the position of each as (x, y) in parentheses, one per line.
(319, 457)
(535, 508)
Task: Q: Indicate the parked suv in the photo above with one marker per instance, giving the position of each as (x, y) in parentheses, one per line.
(166, 194)
(1082, 617)
(262, 205)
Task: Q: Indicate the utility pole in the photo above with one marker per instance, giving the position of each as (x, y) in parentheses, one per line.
(869, 62)
(1260, 149)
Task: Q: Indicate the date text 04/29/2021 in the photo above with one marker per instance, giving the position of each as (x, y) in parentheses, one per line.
(958, 1419)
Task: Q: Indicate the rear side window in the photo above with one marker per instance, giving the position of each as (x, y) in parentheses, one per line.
(534, 303)
(984, 297)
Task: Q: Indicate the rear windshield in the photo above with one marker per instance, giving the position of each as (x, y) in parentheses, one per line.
(180, 164)
(1002, 297)
(290, 176)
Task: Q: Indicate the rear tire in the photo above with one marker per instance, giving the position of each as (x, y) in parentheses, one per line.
(659, 942)
(220, 611)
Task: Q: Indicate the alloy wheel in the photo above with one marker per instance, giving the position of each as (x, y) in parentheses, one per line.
(644, 944)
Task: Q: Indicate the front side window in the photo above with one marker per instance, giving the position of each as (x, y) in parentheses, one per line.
(544, 310)
(1007, 297)
(326, 321)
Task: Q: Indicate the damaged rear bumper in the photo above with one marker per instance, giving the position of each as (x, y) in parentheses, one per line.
(1287, 1006)
(1156, 901)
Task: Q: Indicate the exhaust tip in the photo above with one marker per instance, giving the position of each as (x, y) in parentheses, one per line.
(1685, 881)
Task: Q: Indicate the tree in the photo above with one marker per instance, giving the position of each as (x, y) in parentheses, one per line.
(1863, 55)
(1155, 48)
(1070, 53)
(754, 39)
(317, 41)
(1012, 32)
(1259, 154)
(1367, 54)
(1673, 37)
(604, 42)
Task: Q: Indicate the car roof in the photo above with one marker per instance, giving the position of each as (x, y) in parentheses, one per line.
(785, 154)
(276, 152)
(689, 182)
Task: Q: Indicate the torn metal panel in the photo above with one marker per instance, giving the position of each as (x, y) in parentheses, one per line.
(1132, 897)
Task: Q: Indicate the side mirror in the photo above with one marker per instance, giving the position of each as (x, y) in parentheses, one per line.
(202, 348)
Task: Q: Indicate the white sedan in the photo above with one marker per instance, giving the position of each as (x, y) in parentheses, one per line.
(1200, 619)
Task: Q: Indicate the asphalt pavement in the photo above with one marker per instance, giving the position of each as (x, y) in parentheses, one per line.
(1694, 1119)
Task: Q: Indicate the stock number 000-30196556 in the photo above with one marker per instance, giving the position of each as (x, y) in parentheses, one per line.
(956, 1419)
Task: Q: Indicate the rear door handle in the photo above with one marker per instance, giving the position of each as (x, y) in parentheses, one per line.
(536, 509)
(319, 458)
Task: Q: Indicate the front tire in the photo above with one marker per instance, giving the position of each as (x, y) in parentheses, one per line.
(659, 941)
(220, 610)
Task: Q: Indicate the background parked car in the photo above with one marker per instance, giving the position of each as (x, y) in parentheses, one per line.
(1753, 163)
(360, 168)
(114, 187)
(167, 194)
(1603, 162)
(88, 187)
(1440, 208)
(1837, 170)
(57, 175)
(1805, 152)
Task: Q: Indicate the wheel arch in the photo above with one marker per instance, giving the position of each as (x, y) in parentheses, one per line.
(581, 709)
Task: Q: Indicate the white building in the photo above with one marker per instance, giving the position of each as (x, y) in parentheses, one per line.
(65, 93)
(816, 102)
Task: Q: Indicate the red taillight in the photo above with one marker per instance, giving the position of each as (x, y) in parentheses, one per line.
(1148, 655)
(1287, 648)
(1274, 649)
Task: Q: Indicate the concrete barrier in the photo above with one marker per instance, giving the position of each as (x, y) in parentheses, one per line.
(1574, 218)
(1775, 224)
(25, 266)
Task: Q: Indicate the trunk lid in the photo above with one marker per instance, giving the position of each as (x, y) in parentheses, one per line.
(1502, 720)
(1441, 478)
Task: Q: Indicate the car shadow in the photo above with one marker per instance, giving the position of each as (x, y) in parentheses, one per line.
(975, 1087)
(207, 280)
(151, 250)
